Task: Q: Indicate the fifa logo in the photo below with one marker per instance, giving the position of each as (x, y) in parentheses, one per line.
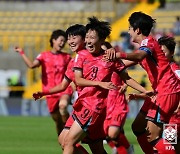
(170, 133)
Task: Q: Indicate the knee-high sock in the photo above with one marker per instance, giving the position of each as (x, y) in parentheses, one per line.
(81, 148)
(120, 149)
(122, 140)
(144, 144)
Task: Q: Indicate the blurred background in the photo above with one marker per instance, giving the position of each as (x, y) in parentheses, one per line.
(29, 23)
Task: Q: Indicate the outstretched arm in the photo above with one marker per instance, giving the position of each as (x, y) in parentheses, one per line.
(134, 84)
(59, 88)
(27, 61)
(112, 54)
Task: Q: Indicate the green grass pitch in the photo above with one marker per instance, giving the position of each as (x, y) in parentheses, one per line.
(35, 135)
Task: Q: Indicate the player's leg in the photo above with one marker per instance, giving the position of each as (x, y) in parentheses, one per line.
(116, 132)
(79, 149)
(58, 121)
(63, 104)
(158, 115)
(97, 147)
(155, 137)
(139, 127)
(75, 134)
(116, 140)
(62, 136)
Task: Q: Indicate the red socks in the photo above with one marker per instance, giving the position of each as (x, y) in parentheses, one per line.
(144, 144)
(123, 141)
(120, 149)
(81, 148)
(122, 144)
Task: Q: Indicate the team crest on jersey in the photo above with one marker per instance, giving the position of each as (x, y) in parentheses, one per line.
(144, 42)
(170, 133)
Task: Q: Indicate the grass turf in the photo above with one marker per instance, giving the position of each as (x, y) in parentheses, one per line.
(35, 135)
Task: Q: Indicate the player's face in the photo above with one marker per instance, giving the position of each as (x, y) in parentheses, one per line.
(166, 52)
(59, 43)
(133, 34)
(75, 42)
(93, 43)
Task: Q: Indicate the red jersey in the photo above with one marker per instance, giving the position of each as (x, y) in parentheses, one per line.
(53, 68)
(167, 82)
(176, 69)
(69, 74)
(116, 101)
(95, 69)
(150, 65)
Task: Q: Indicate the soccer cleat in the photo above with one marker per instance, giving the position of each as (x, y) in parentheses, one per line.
(130, 150)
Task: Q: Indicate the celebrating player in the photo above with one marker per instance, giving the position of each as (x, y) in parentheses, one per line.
(161, 76)
(54, 64)
(90, 108)
(76, 35)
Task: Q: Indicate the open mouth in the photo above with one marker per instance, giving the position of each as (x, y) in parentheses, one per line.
(90, 47)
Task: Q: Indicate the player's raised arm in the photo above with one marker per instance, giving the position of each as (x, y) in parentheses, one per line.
(27, 61)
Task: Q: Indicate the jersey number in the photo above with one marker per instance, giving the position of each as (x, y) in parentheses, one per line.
(85, 113)
(94, 73)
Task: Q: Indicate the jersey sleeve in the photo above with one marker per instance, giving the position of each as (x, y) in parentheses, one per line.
(69, 71)
(176, 69)
(78, 63)
(39, 57)
(147, 46)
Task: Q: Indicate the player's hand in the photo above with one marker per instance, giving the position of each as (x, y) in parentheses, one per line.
(150, 93)
(123, 88)
(153, 98)
(18, 49)
(109, 55)
(37, 95)
(107, 85)
(131, 97)
(134, 96)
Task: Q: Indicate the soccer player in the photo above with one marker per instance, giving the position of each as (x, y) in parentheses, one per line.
(90, 108)
(54, 64)
(76, 35)
(117, 109)
(161, 76)
(168, 46)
